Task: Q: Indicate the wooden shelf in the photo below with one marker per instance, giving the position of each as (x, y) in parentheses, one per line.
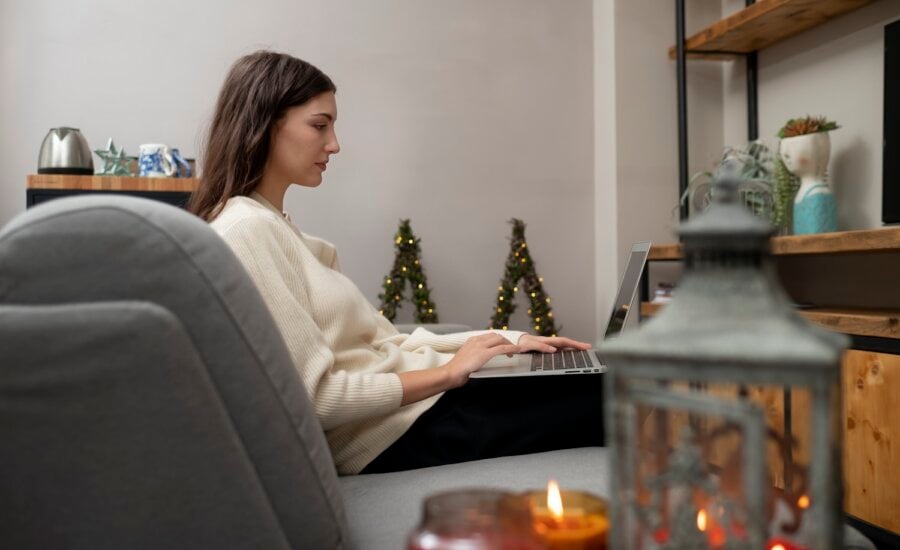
(110, 183)
(666, 251)
(649, 309)
(839, 242)
(877, 323)
(761, 25)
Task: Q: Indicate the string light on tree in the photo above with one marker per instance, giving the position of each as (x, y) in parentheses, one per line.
(520, 267)
(407, 267)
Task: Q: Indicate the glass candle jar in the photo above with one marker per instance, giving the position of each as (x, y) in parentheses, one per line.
(578, 520)
(475, 519)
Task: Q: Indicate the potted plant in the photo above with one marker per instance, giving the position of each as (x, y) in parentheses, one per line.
(753, 165)
(805, 149)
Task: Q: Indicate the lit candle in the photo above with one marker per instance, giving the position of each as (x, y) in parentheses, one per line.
(782, 544)
(715, 534)
(569, 520)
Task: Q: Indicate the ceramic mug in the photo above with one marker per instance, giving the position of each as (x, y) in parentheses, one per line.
(182, 166)
(156, 161)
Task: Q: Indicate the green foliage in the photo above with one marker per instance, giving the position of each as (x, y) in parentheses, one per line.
(753, 166)
(806, 125)
(786, 186)
(407, 268)
(520, 267)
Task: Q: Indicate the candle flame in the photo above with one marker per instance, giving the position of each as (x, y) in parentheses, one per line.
(554, 500)
(803, 502)
(778, 546)
(701, 520)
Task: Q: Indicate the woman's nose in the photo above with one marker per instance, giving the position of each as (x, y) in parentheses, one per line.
(333, 146)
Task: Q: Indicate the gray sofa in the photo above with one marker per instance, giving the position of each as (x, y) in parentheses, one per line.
(147, 401)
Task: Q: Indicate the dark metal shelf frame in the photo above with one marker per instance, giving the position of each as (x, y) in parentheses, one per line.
(681, 70)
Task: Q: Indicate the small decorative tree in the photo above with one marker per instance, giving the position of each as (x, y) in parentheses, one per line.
(520, 267)
(407, 267)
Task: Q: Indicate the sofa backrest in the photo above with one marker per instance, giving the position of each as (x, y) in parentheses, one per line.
(99, 249)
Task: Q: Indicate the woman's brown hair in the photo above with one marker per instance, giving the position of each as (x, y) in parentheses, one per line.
(258, 90)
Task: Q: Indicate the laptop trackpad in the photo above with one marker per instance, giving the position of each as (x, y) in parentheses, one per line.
(504, 361)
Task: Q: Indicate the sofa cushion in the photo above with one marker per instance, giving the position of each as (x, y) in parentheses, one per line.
(113, 436)
(107, 248)
(384, 508)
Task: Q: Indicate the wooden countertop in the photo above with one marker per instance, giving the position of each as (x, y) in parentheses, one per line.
(110, 183)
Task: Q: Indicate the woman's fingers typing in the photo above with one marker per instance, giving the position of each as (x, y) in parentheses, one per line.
(550, 344)
(480, 349)
(477, 351)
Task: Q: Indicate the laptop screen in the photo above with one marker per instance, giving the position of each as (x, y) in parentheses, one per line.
(627, 288)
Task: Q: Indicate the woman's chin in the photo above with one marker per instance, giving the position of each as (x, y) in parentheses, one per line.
(311, 182)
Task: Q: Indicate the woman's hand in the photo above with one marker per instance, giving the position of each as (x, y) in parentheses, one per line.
(475, 353)
(549, 344)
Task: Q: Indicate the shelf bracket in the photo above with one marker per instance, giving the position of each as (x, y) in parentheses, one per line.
(752, 105)
(681, 64)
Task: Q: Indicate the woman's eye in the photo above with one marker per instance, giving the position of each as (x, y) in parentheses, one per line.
(320, 126)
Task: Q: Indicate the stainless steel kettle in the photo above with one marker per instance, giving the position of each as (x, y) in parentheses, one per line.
(65, 151)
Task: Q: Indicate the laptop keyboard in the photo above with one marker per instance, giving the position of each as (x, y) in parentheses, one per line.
(561, 360)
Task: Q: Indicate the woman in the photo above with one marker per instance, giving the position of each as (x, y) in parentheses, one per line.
(375, 390)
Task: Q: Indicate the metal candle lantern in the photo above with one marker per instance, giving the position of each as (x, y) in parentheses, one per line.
(723, 412)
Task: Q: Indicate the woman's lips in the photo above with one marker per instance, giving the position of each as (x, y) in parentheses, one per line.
(321, 165)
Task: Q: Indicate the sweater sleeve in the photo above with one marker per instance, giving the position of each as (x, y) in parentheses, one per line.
(264, 249)
(450, 343)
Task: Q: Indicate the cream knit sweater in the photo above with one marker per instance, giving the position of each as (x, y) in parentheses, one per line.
(347, 354)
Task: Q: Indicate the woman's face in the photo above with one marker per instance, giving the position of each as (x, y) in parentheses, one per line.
(303, 141)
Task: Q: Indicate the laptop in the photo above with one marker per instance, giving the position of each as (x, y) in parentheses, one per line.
(575, 361)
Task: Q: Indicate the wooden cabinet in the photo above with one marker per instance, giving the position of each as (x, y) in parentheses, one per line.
(852, 279)
(872, 437)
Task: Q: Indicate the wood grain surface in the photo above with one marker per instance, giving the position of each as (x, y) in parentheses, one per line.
(872, 437)
(838, 242)
(761, 25)
(877, 323)
(110, 183)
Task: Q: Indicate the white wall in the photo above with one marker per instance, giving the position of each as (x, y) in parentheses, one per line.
(835, 70)
(459, 115)
(636, 133)
(606, 215)
(647, 115)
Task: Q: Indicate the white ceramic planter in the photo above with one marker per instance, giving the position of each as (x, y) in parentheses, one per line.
(807, 158)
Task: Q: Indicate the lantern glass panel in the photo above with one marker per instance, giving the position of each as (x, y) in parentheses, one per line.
(722, 465)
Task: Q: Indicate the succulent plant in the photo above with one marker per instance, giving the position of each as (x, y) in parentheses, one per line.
(807, 125)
